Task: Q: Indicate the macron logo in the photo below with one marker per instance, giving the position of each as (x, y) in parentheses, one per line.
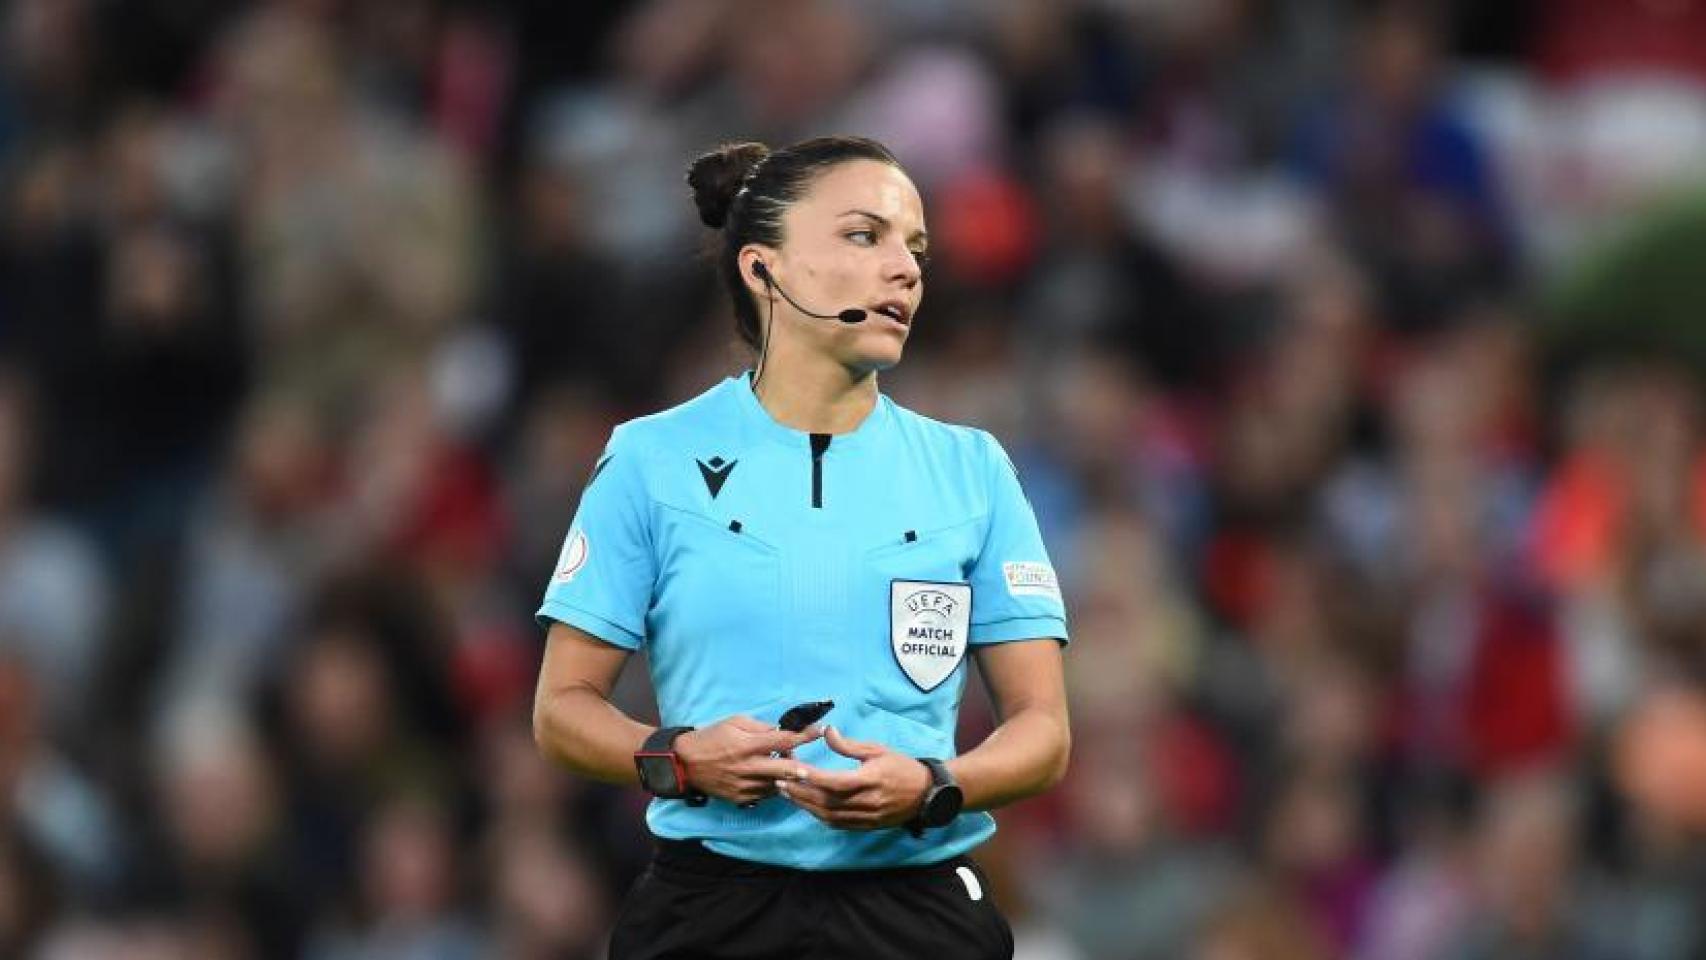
(715, 473)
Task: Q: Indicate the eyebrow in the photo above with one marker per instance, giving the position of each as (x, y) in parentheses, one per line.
(884, 221)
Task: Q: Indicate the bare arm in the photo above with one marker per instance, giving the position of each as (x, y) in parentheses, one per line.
(1027, 752)
(574, 721)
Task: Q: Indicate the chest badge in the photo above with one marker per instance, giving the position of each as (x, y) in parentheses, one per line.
(929, 624)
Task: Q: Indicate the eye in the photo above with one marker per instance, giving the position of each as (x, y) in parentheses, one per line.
(922, 258)
(862, 237)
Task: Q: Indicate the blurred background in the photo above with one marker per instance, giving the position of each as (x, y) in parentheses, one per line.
(1350, 353)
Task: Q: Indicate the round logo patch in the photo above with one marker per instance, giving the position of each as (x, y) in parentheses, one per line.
(574, 556)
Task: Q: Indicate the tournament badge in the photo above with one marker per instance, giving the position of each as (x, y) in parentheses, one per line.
(573, 557)
(929, 624)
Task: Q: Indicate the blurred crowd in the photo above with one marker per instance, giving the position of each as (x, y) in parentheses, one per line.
(1389, 615)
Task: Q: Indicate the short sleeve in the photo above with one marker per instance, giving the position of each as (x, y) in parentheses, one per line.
(604, 576)
(1015, 595)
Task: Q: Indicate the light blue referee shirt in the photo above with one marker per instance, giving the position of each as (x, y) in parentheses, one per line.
(759, 566)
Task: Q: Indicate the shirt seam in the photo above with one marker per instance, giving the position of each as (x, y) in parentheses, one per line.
(1030, 616)
(550, 605)
(988, 496)
(713, 524)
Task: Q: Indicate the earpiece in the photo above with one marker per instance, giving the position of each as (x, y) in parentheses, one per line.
(761, 272)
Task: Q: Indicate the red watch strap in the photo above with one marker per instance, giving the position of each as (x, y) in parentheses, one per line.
(661, 744)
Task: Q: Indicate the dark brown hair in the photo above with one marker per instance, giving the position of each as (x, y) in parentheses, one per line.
(742, 190)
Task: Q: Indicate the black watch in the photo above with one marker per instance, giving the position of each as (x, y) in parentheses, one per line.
(662, 771)
(942, 799)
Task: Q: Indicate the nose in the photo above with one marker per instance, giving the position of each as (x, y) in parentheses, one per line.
(901, 266)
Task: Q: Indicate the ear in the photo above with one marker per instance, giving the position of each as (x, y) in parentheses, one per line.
(749, 257)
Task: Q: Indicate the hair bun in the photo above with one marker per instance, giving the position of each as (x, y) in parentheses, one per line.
(717, 176)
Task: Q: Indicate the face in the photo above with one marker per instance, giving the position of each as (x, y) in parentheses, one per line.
(854, 239)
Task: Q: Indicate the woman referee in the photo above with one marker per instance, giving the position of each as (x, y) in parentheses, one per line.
(791, 537)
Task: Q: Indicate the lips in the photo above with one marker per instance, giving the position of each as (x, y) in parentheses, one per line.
(895, 310)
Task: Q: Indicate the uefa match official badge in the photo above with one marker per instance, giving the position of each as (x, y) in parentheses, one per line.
(929, 628)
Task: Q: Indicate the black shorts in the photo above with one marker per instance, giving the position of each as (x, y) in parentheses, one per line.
(692, 904)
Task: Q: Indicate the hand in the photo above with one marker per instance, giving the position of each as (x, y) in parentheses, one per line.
(885, 790)
(733, 759)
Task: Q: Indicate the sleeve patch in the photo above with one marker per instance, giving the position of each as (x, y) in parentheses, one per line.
(574, 557)
(1029, 579)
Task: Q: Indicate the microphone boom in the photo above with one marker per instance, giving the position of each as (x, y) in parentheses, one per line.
(850, 315)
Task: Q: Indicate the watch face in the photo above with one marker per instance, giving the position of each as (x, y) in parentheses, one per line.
(657, 774)
(944, 805)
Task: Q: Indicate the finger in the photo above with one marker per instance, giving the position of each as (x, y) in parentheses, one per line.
(841, 782)
(778, 741)
(778, 768)
(858, 804)
(848, 747)
(809, 734)
(825, 807)
(804, 794)
(806, 797)
(750, 796)
(824, 799)
(796, 740)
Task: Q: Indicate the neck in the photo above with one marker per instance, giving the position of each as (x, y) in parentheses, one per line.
(816, 394)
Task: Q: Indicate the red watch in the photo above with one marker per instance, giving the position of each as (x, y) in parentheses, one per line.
(662, 771)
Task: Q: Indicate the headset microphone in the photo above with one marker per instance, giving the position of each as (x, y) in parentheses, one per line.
(850, 315)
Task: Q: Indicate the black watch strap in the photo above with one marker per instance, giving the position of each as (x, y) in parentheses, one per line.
(662, 740)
